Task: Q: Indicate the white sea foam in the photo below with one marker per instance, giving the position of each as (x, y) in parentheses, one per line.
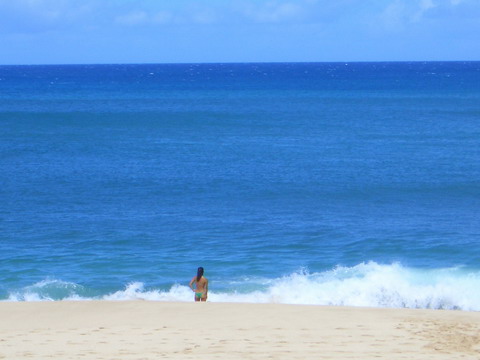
(48, 290)
(136, 291)
(368, 284)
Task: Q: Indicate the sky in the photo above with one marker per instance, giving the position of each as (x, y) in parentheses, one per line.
(213, 31)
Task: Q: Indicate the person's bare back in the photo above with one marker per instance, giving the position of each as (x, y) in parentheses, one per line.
(201, 286)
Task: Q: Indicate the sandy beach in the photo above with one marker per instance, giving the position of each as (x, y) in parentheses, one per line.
(153, 330)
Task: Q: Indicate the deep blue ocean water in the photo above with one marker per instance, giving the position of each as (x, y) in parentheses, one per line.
(315, 183)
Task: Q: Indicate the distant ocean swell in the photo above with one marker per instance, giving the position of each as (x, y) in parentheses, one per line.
(367, 284)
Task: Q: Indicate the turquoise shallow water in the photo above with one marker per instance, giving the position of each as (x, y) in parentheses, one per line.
(345, 184)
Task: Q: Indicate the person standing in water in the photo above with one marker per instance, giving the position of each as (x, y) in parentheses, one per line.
(201, 286)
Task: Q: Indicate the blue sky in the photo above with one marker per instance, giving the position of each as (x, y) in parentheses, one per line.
(169, 31)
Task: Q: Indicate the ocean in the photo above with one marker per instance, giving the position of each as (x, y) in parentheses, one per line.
(303, 183)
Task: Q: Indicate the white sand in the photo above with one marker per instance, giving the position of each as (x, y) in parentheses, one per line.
(156, 330)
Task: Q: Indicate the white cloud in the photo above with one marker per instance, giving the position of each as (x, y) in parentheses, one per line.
(271, 11)
(393, 15)
(427, 4)
(38, 16)
(424, 6)
(162, 17)
(30, 16)
(139, 18)
(399, 13)
(132, 18)
(206, 16)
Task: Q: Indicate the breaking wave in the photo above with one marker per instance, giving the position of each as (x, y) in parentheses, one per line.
(367, 284)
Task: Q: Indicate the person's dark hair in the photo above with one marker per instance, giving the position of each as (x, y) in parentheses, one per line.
(199, 273)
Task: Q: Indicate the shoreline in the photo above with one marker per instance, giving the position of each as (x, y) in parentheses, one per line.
(181, 330)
